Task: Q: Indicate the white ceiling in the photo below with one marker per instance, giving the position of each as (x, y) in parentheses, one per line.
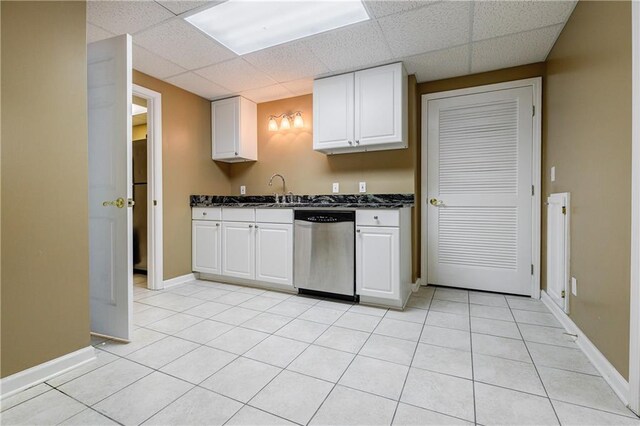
(434, 39)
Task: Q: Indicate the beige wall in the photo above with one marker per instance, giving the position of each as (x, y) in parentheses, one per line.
(45, 290)
(306, 171)
(588, 139)
(187, 167)
(139, 132)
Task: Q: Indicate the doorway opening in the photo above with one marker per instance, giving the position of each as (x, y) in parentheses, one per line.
(146, 235)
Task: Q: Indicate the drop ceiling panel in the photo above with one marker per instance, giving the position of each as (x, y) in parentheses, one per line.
(512, 50)
(351, 47)
(154, 65)
(300, 87)
(439, 64)
(122, 17)
(287, 62)
(180, 6)
(497, 18)
(237, 75)
(380, 8)
(269, 93)
(422, 30)
(192, 82)
(95, 33)
(184, 45)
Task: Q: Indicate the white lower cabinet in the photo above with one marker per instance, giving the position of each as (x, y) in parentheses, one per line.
(205, 244)
(274, 253)
(383, 256)
(378, 262)
(238, 250)
(249, 244)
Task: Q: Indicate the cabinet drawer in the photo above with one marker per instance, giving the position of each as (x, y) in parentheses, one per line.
(274, 215)
(376, 217)
(235, 214)
(206, 213)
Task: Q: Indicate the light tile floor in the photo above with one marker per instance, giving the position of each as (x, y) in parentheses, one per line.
(211, 353)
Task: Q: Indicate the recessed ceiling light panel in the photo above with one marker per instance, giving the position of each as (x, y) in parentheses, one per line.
(245, 26)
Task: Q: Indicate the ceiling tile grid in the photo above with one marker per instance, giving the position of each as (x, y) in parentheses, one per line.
(237, 75)
(357, 45)
(182, 44)
(510, 51)
(434, 39)
(194, 83)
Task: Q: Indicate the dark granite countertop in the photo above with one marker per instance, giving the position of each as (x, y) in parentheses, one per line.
(378, 201)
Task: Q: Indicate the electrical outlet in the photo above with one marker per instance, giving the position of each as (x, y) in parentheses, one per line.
(336, 187)
(363, 187)
(243, 190)
(553, 173)
(574, 286)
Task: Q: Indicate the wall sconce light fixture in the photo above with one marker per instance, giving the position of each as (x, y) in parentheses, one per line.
(285, 123)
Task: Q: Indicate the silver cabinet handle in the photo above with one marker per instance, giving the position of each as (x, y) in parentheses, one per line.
(357, 142)
(217, 224)
(204, 213)
(256, 226)
(357, 230)
(350, 143)
(375, 217)
(250, 226)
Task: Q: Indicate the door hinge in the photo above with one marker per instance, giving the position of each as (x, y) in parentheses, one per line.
(155, 202)
(563, 294)
(533, 190)
(533, 111)
(532, 269)
(564, 210)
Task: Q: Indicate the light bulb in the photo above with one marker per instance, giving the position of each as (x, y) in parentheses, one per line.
(285, 124)
(298, 122)
(273, 124)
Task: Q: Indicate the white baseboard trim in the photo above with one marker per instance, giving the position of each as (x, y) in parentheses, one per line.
(17, 382)
(416, 286)
(179, 280)
(618, 383)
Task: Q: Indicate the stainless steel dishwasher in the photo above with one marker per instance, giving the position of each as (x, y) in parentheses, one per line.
(325, 252)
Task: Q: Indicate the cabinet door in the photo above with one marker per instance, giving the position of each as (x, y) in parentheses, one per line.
(378, 262)
(379, 105)
(225, 122)
(205, 246)
(333, 112)
(274, 253)
(238, 250)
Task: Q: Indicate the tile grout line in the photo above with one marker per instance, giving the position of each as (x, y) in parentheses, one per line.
(406, 377)
(473, 377)
(544, 387)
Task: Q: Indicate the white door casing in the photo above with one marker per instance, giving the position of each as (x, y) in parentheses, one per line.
(274, 253)
(238, 246)
(558, 249)
(479, 160)
(110, 249)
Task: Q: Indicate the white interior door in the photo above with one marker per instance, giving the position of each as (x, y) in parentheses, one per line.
(479, 190)
(558, 249)
(110, 248)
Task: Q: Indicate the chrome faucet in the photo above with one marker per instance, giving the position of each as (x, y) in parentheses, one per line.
(284, 185)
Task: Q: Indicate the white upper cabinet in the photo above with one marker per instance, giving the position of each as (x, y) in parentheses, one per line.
(361, 111)
(234, 133)
(333, 113)
(381, 107)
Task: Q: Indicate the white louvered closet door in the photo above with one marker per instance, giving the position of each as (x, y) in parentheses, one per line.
(479, 159)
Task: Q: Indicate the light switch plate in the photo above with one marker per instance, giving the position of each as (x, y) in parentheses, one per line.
(553, 173)
(243, 190)
(336, 187)
(574, 286)
(363, 187)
